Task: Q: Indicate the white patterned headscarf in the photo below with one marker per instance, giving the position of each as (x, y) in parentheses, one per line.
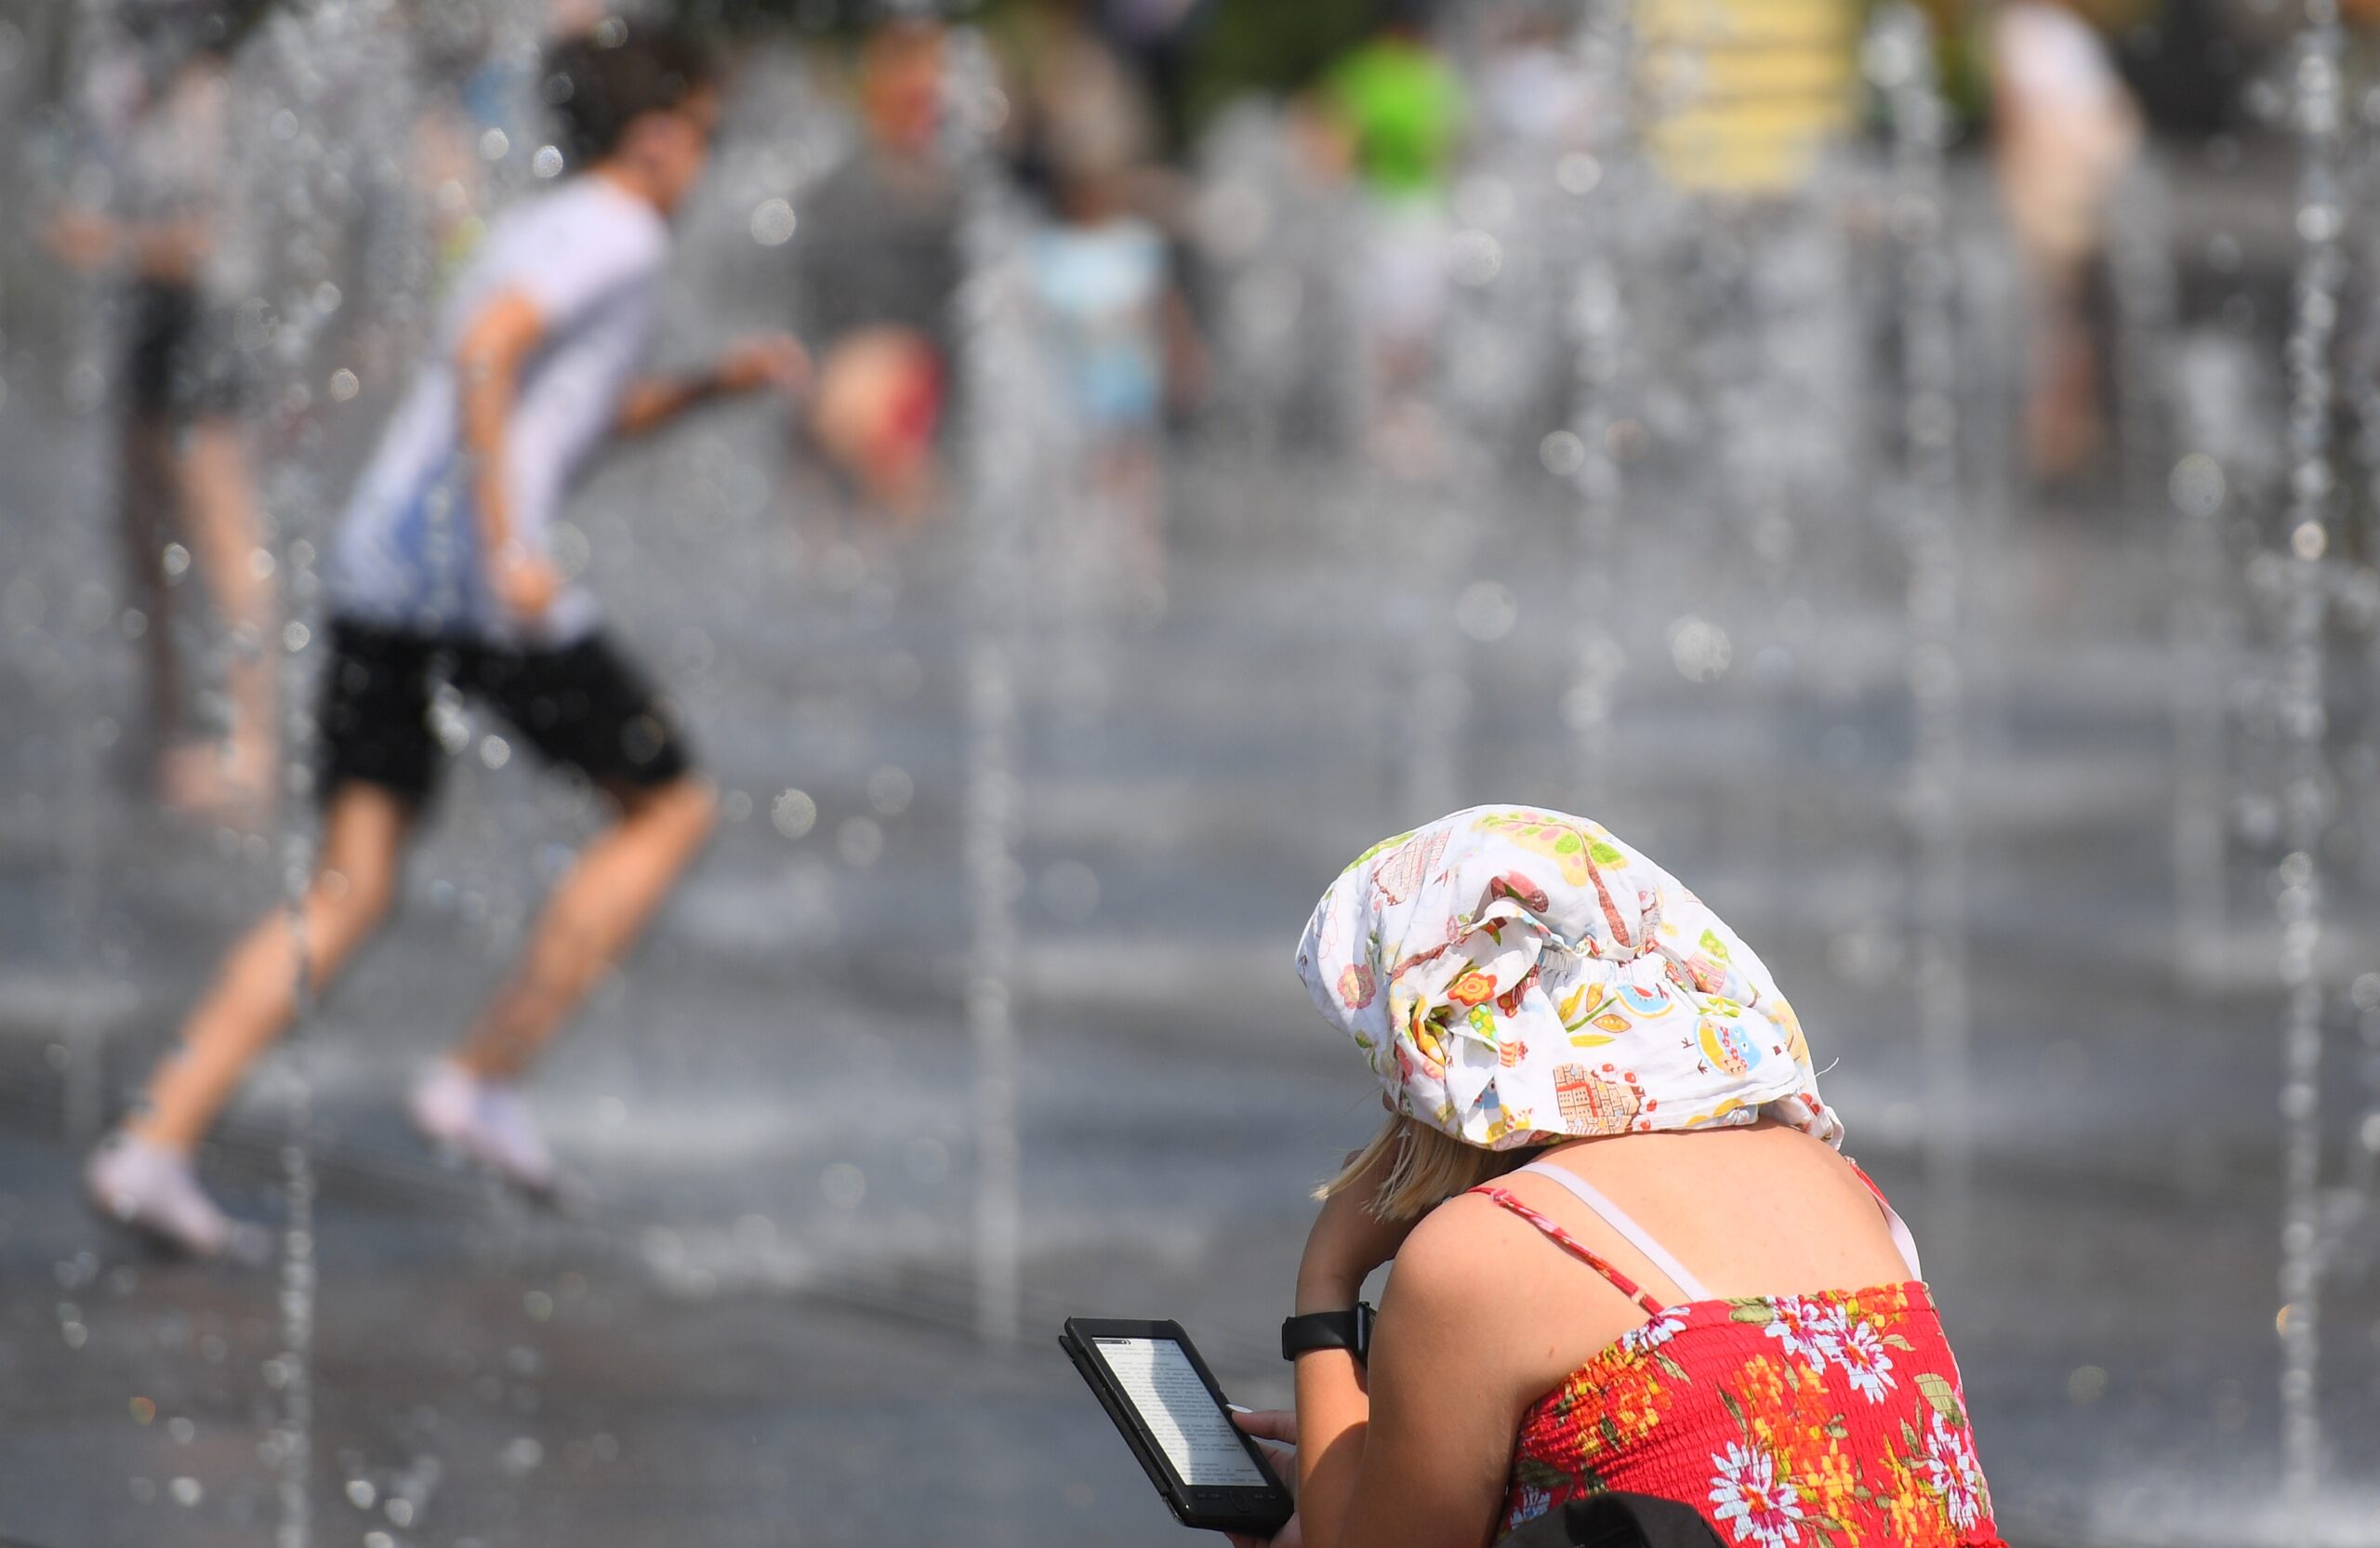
(1519, 976)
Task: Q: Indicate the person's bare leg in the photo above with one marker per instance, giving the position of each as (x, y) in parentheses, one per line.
(219, 507)
(255, 995)
(593, 917)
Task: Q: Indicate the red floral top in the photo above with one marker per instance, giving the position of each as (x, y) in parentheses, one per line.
(1826, 1421)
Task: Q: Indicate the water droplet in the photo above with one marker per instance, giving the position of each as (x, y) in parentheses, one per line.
(1700, 649)
(1475, 258)
(793, 812)
(859, 840)
(2197, 485)
(1486, 611)
(772, 222)
(843, 1184)
(890, 791)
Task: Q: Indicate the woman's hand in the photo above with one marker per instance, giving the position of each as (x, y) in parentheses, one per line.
(1348, 1241)
(1276, 1431)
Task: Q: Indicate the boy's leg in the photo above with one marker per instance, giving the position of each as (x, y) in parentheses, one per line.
(142, 1176)
(592, 918)
(255, 995)
(583, 706)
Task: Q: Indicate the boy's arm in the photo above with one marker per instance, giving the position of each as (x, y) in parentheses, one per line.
(771, 360)
(487, 362)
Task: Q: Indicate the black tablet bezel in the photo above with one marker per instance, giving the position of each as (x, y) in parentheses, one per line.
(1222, 1508)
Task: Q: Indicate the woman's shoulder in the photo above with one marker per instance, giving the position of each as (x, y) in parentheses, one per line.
(1456, 1231)
(1453, 1274)
(1477, 1282)
(1477, 1253)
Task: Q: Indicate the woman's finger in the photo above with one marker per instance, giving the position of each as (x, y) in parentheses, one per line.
(1279, 1424)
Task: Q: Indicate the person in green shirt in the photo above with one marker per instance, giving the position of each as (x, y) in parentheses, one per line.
(1400, 111)
(1403, 109)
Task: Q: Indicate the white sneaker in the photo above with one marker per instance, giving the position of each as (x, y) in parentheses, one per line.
(484, 1120)
(152, 1189)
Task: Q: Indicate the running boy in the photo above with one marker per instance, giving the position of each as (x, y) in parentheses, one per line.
(440, 575)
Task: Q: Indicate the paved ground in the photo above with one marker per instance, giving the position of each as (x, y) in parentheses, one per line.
(754, 1323)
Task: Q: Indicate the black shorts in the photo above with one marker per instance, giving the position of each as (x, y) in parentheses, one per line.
(179, 355)
(582, 706)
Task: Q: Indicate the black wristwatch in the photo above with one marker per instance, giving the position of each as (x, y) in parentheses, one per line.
(1350, 1329)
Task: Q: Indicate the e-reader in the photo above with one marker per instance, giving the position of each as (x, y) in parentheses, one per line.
(1164, 1400)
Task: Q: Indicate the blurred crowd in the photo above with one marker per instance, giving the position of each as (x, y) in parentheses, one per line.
(1153, 175)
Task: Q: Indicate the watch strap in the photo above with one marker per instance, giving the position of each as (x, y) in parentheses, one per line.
(1350, 1329)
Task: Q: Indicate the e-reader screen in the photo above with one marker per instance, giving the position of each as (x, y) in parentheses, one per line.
(1196, 1437)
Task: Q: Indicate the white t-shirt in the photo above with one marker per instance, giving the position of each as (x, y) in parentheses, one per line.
(589, 258)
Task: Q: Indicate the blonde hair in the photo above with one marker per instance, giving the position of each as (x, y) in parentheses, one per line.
(1429, 1168)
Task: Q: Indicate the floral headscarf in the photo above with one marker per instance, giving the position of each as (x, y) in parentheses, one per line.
(1519, 976)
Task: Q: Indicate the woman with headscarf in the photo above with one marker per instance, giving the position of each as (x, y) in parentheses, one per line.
(1628, 1253)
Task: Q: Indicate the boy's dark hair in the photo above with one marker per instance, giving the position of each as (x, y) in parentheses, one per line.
(599, 84)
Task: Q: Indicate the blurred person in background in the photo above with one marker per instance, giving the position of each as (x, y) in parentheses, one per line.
(2065, 131)
(1400, 109)
(186, 496)
(877, 264)
(1628, 1254)
(1158, 41)
(441, 583)
(1531, 88)
(476, 62)
(1111, 320)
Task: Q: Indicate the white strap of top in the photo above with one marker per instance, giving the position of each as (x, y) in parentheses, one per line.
(1617, 1218)
(1659, 1256)
(1901, 1238)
